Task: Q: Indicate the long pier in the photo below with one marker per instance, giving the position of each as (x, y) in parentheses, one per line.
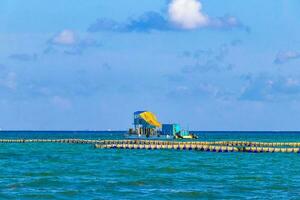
(212, 146)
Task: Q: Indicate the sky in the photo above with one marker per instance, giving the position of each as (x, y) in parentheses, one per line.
(208, 65)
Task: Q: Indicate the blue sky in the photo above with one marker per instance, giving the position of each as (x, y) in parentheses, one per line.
(209, 64)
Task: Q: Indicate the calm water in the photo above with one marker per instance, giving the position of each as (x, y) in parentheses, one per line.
(70, 171)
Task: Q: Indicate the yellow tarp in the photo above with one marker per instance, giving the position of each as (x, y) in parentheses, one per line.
(150, 118)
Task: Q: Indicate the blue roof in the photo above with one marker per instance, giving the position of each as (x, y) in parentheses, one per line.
(138, 112)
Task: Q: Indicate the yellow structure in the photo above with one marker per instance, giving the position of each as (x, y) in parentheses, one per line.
(150, 118)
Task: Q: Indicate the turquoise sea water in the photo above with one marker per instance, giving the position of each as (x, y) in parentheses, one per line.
(78, 171)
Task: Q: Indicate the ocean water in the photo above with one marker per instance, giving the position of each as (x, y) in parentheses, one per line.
(78, 171)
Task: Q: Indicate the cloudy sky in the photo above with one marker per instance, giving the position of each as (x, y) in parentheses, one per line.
(208, 64)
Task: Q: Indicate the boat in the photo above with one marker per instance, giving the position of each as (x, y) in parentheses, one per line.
(146, 126)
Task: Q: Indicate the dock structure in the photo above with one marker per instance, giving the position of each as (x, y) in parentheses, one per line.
(147, 126)
(211, 146)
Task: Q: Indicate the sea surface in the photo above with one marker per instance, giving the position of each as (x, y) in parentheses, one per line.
(78, 171)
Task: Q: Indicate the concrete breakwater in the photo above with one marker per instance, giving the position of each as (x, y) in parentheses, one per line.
(213, 146)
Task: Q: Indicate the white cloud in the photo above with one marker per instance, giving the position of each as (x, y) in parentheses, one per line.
(187, 14)
(66, 37)
(9, 81)
(182, 88)
(285, 56)
(61, 102)
(68, 43)
(268, 88)
(181, 15)
(292, 82)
